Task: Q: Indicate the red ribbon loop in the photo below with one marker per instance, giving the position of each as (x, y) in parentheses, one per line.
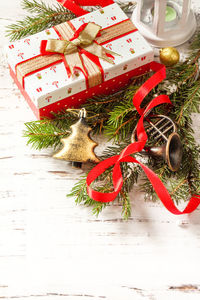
(138, 146)
(74, 5)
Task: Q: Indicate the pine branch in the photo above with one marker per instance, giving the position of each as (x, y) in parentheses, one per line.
(116, 115)
(123, 117)
(187, 72)
(43, 135)
(98, 111)
(48, 132)
(186, 101)
(104, 184)
(38, 7)
(191, 103)
(43, 17)
(79, 192)
(118, 107)
(126, 207)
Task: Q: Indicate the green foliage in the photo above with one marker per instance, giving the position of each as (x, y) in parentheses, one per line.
(104, 184)
(42, 17)
(123, 117)
(126, 205)
(185, 97)
(48, 132)
(186, 181)
(79, 191)
(43, 134)
(115, 116)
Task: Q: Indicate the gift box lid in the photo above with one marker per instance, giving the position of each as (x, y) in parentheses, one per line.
(52, 83)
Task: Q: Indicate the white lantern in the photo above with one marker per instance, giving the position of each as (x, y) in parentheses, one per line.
(164, 23)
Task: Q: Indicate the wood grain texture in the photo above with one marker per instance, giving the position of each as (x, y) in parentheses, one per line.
(52, 249)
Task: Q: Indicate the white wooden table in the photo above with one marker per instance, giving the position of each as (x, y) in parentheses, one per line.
(52, 249)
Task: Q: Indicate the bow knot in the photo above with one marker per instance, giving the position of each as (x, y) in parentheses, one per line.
(82, 41)
(82, 38)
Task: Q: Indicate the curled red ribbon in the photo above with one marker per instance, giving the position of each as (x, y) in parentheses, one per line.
(161, 191)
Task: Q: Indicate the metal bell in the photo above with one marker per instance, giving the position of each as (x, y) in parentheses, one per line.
(161, 127)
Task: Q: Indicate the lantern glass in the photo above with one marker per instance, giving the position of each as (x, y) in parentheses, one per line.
(173, 13)
(146, 12)
(165, 22)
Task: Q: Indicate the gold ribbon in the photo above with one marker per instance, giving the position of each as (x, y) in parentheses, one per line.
(69, 48)
(85, 40)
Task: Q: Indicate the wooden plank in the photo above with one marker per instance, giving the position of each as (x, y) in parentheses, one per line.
(52, 249)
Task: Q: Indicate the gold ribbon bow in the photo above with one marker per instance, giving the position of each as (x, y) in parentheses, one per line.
(85, 40)
(80, 48)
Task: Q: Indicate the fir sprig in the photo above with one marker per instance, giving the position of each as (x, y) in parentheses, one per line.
(123, 117)
(186, 99)
(48, 132)
(114, 114)
(42, 17)
(79, 191)
(43, 134)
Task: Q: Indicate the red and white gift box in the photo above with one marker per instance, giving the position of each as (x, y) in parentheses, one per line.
(50, 88)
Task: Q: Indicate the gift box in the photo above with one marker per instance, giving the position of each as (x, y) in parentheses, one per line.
(90, 55)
